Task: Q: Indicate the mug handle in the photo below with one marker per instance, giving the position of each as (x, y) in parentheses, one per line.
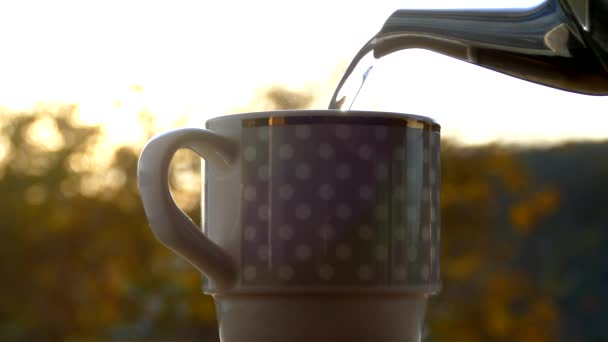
(171, 226)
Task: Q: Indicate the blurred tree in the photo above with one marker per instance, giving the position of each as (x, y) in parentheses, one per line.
(567, 252)
(78, 259)
(280, 98)
(489, 205)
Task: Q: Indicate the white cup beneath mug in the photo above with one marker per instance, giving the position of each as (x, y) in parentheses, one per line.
(319, 225)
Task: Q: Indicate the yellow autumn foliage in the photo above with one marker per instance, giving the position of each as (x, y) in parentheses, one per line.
(528, 211)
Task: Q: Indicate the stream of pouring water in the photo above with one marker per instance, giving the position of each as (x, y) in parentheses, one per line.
(361, 66)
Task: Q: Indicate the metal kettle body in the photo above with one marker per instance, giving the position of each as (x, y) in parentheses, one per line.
(559, 43)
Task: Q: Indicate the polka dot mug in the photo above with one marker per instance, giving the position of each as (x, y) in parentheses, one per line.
(321, 219)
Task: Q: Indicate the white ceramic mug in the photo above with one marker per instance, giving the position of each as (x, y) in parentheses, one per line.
(319, 225)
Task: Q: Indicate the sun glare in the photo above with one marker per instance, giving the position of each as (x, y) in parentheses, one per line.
(44, 134)
(187, 61)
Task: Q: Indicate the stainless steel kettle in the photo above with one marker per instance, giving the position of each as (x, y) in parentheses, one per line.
(559, 43)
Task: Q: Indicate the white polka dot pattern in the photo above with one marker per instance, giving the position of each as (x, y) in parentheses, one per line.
(400, 272)
(365, 232)
(286, 191)
(303, 171)
(249, 233)
(285, 272)
(426, 233)
(343, 252)
(303, 211)
(381, 172)
(263, 133)
(286, 152)
(399, 233)
(326, 232)
(425, 272)
(326, 191)
(249, 153)
(263, 212)
(326, 151)
(263, 173)
(365, 152)
(365, 272)
(249, 193)
(412, 253)
(303, 252)
(326, 272)
(286, 232)
(381, 253)
(263, 252)
(344, 211)
(398, 192)
(340, 205)
(249, 272)
(381, 212)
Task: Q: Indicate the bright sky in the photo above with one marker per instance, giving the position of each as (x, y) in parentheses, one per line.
(199, 59)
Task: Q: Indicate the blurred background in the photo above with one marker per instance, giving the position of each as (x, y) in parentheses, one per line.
(83, 85)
